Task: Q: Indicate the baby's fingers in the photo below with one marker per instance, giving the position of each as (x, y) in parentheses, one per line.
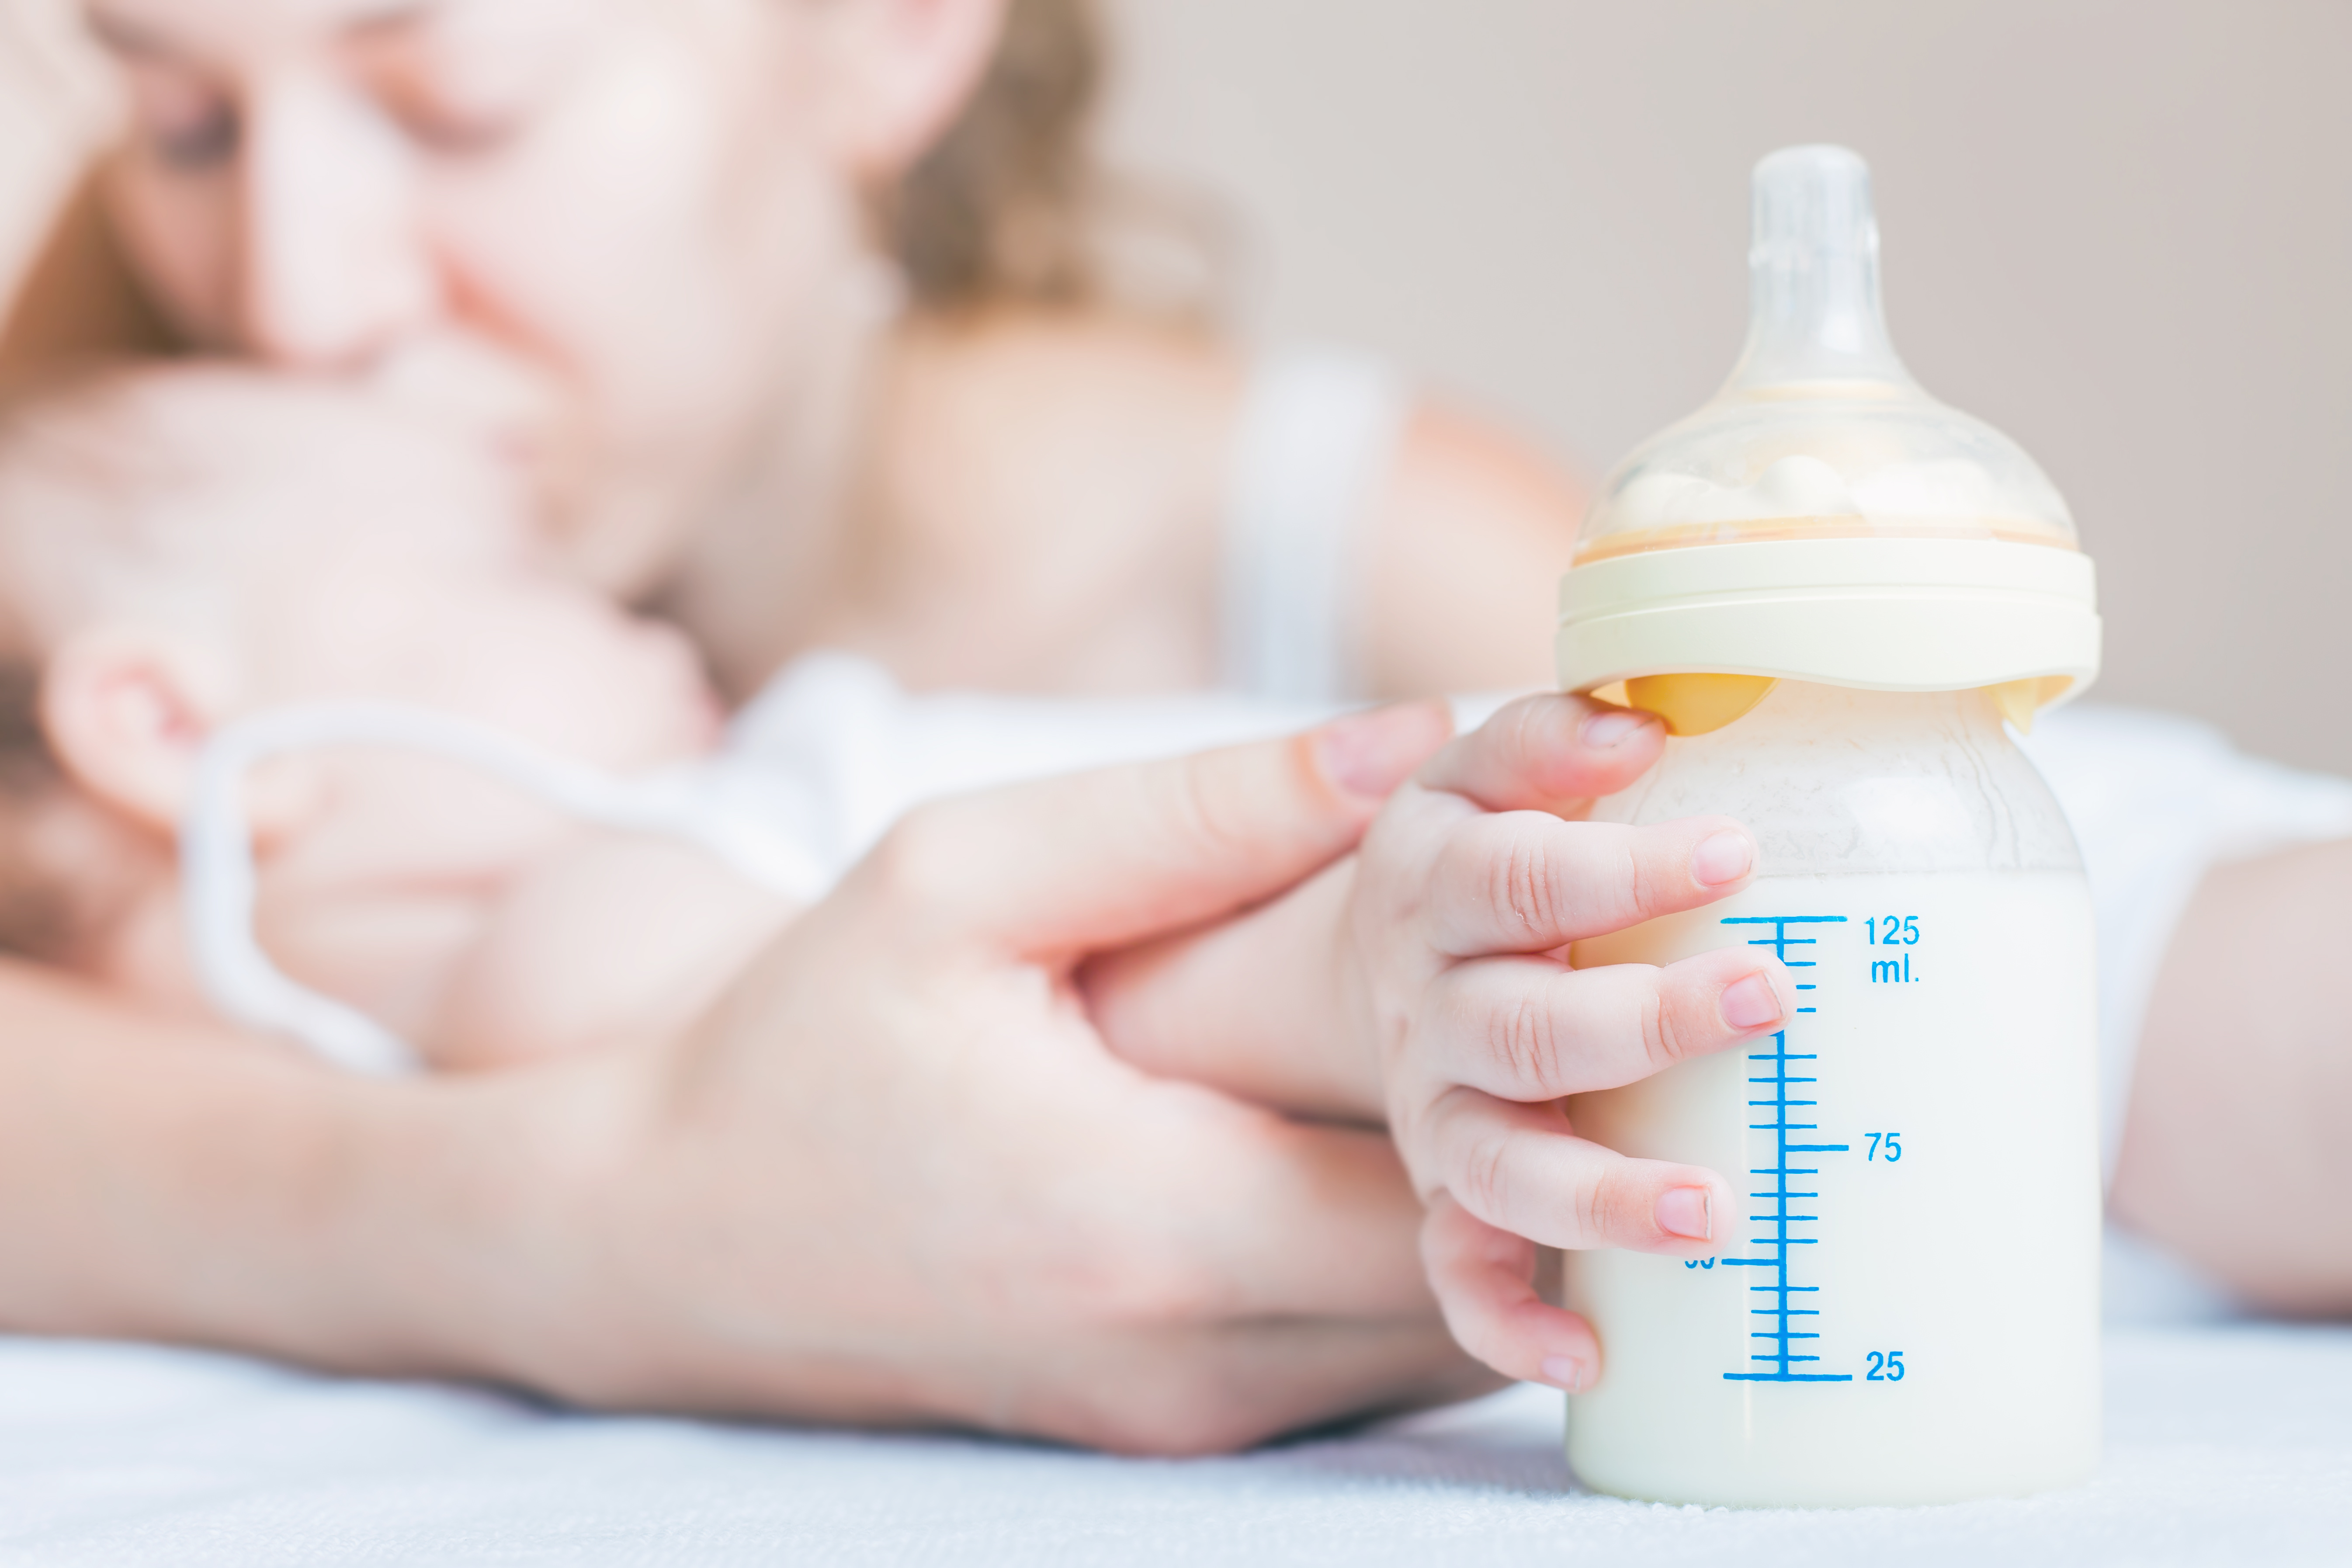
(1530, 1028)
(1518, 1168)
(1485, 1283)
(1528, 882)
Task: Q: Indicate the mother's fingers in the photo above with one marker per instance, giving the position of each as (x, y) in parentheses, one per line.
(1518, 1168)
(1100, 861)
(1531, 1029)
(1290, 1220)
(1528, 882)
(1485, 1281)
(1550, 753)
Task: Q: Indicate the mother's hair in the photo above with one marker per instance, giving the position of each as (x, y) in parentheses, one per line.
(999, 211)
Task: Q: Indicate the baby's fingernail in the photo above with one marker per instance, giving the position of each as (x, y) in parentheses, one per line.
(1369, 754)
(1614, 726)
(1687, 1211)
(1750, 1003)
(1563, 1372)
(1722, 857)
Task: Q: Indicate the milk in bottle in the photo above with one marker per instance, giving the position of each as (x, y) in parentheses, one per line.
(1840, 595)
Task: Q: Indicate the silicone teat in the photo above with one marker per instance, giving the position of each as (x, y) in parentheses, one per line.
(1813, 308)
(1821, 433)
(1821, 518)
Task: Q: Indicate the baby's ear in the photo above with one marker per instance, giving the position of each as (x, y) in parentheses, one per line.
(126, 710)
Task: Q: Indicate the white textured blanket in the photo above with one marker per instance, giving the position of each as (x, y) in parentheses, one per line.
(2227, 1444)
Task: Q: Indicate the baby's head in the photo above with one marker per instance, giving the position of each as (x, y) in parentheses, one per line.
(181, 548)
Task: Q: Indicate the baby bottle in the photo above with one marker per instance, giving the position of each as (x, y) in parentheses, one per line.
(1840, 595)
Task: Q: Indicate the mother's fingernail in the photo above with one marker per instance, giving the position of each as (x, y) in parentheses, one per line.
(1687, 1211)
(1614, 726)
(1563, 1372)
(1750, 1003)
(1370, 753)
(1723, 858)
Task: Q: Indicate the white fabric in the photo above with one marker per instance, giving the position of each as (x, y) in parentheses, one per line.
(1316, 434)
(2224, 1447)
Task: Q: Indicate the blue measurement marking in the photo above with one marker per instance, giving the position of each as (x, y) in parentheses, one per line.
(1781, 1359)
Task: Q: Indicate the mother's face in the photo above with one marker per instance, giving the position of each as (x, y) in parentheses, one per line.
(599, 227)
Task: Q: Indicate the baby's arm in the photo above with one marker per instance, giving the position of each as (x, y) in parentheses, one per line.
(1265, 1006)
(619, 939)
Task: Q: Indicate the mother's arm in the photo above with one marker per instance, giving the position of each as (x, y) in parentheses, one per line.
(895, 1178)
(1469, 537)
(165, 1180)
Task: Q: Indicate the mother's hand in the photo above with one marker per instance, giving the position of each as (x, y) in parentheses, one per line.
(897, 1178)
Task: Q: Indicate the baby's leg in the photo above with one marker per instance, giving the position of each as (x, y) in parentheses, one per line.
(2235, 1155)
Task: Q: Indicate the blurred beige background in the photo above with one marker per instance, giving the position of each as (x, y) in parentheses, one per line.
(2120, 231)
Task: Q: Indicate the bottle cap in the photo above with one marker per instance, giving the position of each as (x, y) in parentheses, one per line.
(1822, 518)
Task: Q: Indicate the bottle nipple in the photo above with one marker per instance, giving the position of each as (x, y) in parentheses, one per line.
(1820, 432)
(1813, 311)
(1821, 518)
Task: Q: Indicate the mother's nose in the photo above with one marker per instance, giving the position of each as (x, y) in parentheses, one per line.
(334, 264)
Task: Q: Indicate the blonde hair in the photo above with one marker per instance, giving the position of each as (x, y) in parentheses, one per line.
(1012, 207)
(998, 212)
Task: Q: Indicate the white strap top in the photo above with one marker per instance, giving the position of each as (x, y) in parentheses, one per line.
(1318, 433)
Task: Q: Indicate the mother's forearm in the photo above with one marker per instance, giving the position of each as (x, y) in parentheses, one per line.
(171, 1181)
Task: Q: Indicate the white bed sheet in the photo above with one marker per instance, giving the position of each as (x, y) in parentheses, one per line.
(2227, 1444)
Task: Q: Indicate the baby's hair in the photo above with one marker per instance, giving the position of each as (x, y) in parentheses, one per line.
(91, 473)
(87, 468)
(37, 912)
(39, 915)
(1011, 206)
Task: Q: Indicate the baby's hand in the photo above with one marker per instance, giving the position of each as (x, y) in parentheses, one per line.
(1471, 885)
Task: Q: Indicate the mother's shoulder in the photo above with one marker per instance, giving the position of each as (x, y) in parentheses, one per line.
(1040, 418)
(1097, 370)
